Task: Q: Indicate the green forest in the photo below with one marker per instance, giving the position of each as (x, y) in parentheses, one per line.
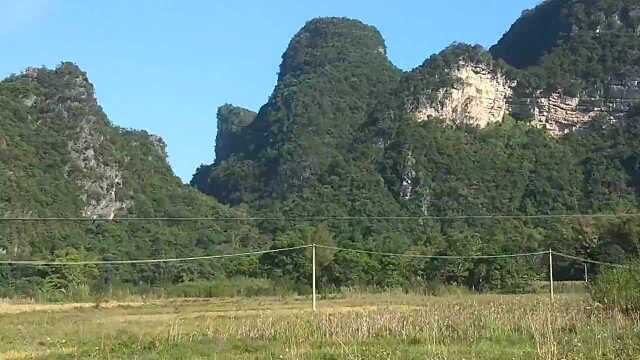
(336, 140)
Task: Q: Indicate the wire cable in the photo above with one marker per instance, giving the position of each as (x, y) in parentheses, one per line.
(537, 253)
(145, 261)
(320, 218)
(590, 261)
(261, 252)
(433, 256)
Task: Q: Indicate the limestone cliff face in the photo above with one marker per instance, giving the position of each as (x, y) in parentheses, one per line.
(93, 159)
(586, 53)
(560, 114)
(100, 179)
(482, 95)
(479, 96)
(557, 113)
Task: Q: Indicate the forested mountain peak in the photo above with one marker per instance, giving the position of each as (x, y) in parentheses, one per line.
(63, 157)
(332, 73)
(45, 88)
(555, 22)
(327, 41)
(231, 122)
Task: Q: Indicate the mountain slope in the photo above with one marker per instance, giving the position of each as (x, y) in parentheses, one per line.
(559, 25)
(468, 132)
(61, 157)
(331, 74)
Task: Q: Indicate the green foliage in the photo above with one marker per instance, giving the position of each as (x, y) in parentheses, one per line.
(233, 287)
(618, 288)
(578, 47)
(66, 278)
(291, 265)
(533, 34)
(42, 114)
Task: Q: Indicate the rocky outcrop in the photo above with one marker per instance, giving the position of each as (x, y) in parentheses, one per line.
(556, 113)
(100, 180)
(158, 144)
(479, 96)
(70, 100)
(560, 114)
(407, 176)
(230, 138)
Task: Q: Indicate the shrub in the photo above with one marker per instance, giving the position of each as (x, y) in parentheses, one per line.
(239, 286)
(618, 288)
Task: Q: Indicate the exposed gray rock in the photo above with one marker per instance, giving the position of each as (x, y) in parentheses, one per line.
(407, 177)
(100, 181)
(159, 145)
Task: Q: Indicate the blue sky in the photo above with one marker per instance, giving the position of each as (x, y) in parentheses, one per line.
(165, 66)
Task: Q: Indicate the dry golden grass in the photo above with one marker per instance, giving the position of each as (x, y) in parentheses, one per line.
(22, 308)
(359, 326)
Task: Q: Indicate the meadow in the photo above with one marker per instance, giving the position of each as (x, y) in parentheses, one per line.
(388, 325)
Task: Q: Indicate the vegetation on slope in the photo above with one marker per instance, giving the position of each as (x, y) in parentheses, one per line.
(379, 161)
(42, 114)
(576, 46)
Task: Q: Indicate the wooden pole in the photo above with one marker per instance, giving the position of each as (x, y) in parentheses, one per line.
(313, 271)
(586, 273)
(551, 273)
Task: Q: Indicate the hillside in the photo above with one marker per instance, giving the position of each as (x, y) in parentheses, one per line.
(61, 157)
(468, 132)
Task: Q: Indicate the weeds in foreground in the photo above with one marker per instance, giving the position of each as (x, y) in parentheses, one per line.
(405, 327)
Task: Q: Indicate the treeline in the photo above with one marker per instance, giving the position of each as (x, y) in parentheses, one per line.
(290, 271)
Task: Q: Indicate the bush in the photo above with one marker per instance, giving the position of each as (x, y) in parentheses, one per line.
(226, 288)
(618, 288)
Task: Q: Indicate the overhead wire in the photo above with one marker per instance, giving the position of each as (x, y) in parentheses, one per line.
(320, 218)
(335, 248)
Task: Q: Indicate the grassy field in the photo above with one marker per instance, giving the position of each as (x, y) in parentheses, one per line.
(354, 326)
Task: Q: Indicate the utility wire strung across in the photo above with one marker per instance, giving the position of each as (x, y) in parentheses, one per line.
(261, 252)
(433, 256)
(145, 261)
(320, 218)
(589, 261)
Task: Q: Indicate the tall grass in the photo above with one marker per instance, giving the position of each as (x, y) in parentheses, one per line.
(618, 288)
(245, 287)
(378, 326)
(223, 287)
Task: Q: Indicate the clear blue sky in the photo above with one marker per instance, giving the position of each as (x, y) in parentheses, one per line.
(165, 66)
